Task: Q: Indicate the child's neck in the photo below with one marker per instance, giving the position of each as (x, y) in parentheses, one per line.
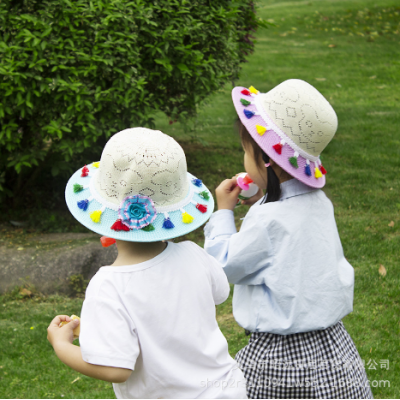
(130, 253)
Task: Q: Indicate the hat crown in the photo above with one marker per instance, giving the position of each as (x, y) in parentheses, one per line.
(302, 113)
(142, 161)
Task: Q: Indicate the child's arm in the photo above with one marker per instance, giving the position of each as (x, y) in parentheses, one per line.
(61, 339)
(242, 254)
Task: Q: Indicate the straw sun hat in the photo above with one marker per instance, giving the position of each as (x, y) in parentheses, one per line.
(292, 124)
(140, 190)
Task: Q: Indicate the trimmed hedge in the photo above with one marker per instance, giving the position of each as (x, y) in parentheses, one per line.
(74, 72)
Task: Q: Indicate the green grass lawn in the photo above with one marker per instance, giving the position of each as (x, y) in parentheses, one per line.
(350, 51)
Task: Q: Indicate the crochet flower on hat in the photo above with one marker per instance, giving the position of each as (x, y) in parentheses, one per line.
(137, 211)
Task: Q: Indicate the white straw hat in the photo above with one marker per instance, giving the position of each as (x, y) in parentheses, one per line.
(140, 190)
(292, 123)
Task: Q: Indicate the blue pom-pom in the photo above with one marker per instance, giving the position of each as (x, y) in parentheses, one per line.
(197, 182)
(248, 113)
(168, 224)
(308, 170)
(83, 204)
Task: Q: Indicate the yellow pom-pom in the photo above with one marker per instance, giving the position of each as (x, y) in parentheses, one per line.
(261, 129)
(96, 215)
(253, 90)
(187, 218)
(318, 173)
(96, 164)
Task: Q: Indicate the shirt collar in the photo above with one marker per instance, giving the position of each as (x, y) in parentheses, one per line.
(293, 188)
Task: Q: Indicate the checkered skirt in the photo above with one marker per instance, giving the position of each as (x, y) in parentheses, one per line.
(321, 364)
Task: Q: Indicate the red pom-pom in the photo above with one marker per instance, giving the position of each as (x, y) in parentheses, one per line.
(278, 148)
(85, 171)
(246, 92)
(322, 169)
(201, 207)
(106, 241)
(119, 226)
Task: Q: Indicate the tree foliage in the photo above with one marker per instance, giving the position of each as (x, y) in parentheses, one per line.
(74, 72)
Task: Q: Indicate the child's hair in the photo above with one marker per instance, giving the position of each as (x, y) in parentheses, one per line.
(273, 184)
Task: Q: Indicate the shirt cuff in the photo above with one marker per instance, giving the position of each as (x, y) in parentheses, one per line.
(222, 222)
(108, 361)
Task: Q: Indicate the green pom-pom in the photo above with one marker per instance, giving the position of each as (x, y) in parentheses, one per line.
(205, 195)
(148, 228)
(293, 161)
(245, 102)
(77, 188)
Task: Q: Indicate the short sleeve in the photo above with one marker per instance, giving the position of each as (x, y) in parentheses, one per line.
(108, 335)
(220, 284)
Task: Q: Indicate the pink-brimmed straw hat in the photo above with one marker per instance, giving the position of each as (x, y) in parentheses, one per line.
(292, 123)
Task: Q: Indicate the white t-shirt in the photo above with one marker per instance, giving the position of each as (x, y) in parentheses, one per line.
(157, 318)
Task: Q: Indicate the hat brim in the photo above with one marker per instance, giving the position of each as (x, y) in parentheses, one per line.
(109, 216)
(271, 138)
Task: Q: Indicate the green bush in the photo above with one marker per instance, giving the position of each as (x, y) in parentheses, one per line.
(74, 72)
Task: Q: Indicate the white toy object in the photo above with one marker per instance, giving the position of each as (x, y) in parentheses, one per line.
(249, 189)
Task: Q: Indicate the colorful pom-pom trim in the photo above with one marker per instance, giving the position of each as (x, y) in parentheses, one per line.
(85, 171)
(253, 90)
(96, 215)
(307, 169)
(201, 207)
(96, 164)
(246, 92)
(119, 226)
(248, 113)
(245, 102)
(317, 172)
(204, 195)
(148, 228)
(260, 129)
(186, 218)
(322, 169)
(293, 160)
(197, 182)
(83, 204)
(77, 188)
(167, 224)
(278, 147)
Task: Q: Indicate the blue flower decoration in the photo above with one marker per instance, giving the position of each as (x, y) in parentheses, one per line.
(137, 211)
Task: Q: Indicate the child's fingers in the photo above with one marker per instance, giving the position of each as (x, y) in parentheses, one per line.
(227, 194)
(58, 319)
(65, 333)
(227, 185)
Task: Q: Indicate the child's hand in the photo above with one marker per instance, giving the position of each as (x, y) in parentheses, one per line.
(253, 199)
(227, 194)
(55, 334)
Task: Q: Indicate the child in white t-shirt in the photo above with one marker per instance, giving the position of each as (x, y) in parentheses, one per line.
(148, 320)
